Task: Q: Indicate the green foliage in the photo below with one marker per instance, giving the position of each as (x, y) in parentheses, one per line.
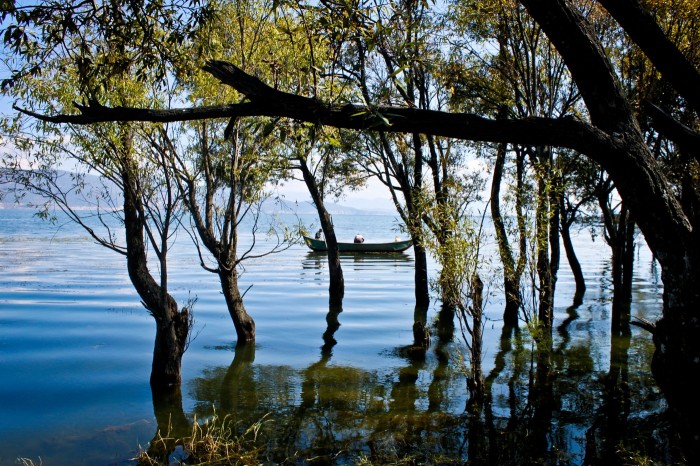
(103, 39)
(454, 239)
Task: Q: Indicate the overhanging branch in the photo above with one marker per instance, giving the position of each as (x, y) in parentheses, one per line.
(672, 129)
(264, 100)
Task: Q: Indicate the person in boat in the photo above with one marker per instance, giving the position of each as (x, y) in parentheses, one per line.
(359, 238)
(319, 233)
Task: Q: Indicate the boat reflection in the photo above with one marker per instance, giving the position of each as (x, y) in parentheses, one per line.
(317, 260)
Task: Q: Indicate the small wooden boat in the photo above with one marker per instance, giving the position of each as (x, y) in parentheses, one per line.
(394, 246)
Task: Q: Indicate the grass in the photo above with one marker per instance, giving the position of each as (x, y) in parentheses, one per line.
(210, 443)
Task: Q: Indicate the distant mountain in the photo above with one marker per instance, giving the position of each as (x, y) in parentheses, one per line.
(281, 206)
(10, 197)
(13, 195)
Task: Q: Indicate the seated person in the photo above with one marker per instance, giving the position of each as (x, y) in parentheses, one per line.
(319, 233)
(359, 238)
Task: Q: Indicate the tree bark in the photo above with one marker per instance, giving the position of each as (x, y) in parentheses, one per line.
(172, 325)
(623, 267)
(477, 313)
(336, 288)
(243, 323)
(511, 280)
(572, 258)
(643, 29)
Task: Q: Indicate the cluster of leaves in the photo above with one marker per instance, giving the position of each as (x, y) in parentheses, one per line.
(103, 39)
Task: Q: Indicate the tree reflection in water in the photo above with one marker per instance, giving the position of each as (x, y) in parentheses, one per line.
(542, 405)
(172, 423)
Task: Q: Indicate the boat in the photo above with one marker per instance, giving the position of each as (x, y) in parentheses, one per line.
(394, 246)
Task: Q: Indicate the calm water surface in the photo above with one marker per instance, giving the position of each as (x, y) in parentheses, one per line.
(76, 344)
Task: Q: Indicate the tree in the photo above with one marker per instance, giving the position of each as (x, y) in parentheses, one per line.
(576, 195)
(80, 49)
(610, 135)
(619, 234)
(389, 54)
(378, 54)
(325, 172)
(137, 199)
(222, 182)
(224, 167)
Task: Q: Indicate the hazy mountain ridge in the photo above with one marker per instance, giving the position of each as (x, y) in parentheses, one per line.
(24, 199)
(283, 206)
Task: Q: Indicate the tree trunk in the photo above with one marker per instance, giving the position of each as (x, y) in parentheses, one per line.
(421, 275)
(622, 268)
(336, 287)
(415, 220)
(676, 361)
(244, 324)
(554, 247)
(477, 376)
(628, 260)
(545, 220)
(511, 282)
(573, 261)
(332, 326)
(172, 326)
(421, 333)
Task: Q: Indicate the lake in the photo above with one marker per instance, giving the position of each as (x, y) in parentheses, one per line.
(76, 345)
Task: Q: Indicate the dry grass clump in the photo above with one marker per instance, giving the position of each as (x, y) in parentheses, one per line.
(210, 443)
(28, 462)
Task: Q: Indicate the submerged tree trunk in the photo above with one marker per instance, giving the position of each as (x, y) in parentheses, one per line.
(619, 235)
(676, 361)
(477, 376)
(336, 287)
(628, 260)
(623, 267)
(422, 287)
(511, 279)
(415, 219)
(332, 326)
(546, 237)
(172, 325)
(421, 333)
(244, 324)
(565, 230)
